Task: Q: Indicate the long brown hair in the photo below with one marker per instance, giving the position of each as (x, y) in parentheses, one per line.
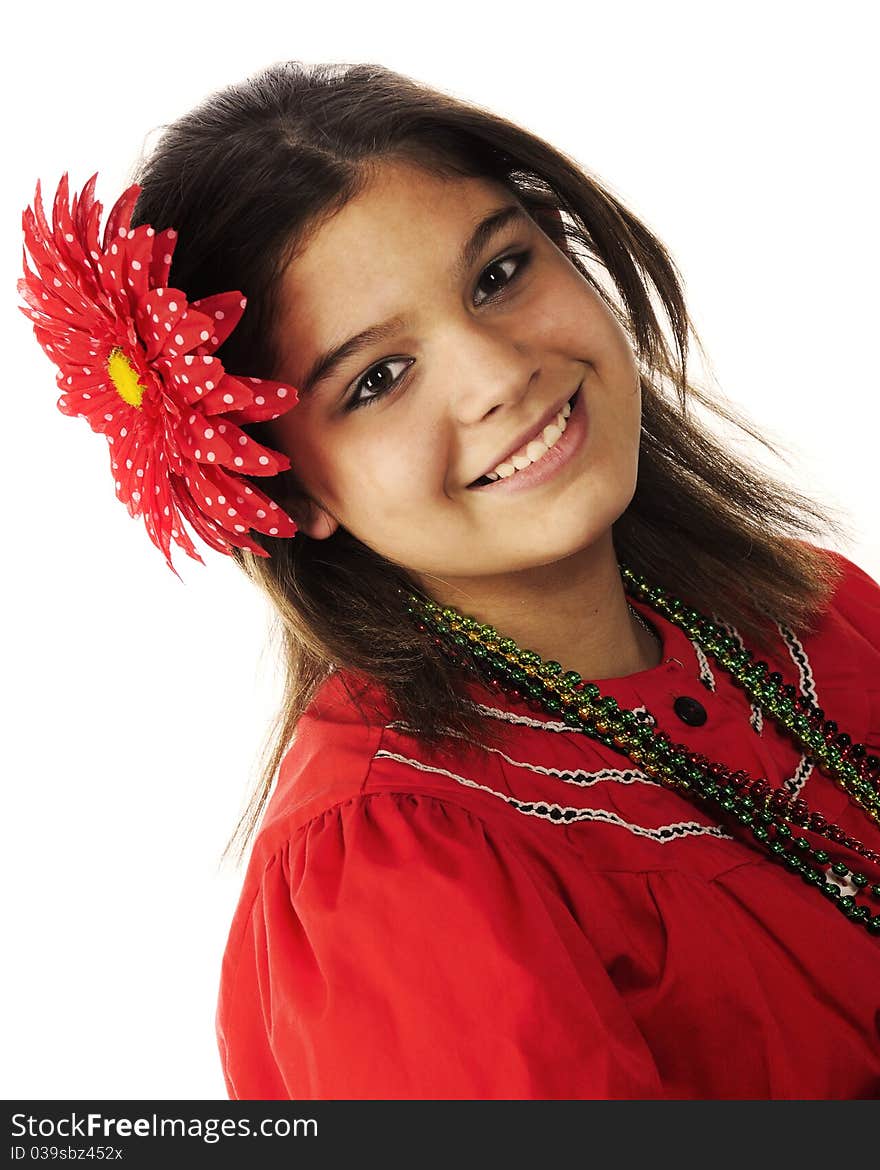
(252, 171)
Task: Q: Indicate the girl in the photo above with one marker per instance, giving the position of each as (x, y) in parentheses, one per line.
(574, 786)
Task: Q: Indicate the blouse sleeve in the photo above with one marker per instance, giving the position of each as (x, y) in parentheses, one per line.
(398, 949)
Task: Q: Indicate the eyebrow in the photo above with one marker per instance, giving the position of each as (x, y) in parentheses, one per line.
(485, 231)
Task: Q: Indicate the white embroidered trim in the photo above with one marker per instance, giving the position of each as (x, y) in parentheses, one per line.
(567, 814)
(567, 775)
(807, 686)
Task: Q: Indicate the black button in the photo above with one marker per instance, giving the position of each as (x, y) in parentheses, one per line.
(690, 711)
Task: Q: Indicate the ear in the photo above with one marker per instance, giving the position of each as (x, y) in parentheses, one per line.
(311, 519)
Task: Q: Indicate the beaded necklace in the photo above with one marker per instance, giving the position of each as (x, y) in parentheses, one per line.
(765, 812)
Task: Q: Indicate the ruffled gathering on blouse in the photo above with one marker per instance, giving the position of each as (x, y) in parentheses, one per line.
(427, 925)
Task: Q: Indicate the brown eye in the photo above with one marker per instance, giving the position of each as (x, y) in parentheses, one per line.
(382, 383)
(520, 261)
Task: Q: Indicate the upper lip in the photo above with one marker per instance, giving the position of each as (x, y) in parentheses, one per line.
(530, 432)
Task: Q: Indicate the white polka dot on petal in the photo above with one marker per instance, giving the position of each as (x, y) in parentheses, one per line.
(231, 512)
(222, 429)
(221, 499)
(68, 237)
(166, 511)
(86, 395)
(113, 248)
(184, 379)
(273, 531)
(257, 381)
(228, 398)
(189, 359)
(211, 456)
(248, 492)
(240, 528)
(204, 335)
(124, 432)
(167, 257)
(178, 337)
(243, 302)
(172, 306)
(260, 400)
(242, 439)
(140, 472)
(160, 292)
(172, 234)
(198, 454)
(135, 496)
(118, 485)
(261, 513)
(219, 314)
(209, 433)
(128, 464)
(174, 533)
(108, 417)
(208, 500)
(282, 392)
(238, 461)
(264, 460)
(151, 231)
(209, 385)
(136, 265)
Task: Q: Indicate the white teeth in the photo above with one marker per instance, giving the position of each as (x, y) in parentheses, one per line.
(535, 449)
(566, 410)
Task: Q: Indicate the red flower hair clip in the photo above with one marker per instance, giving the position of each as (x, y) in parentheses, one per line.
(135, 359)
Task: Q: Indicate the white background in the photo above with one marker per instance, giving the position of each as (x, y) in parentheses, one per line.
(134, 705)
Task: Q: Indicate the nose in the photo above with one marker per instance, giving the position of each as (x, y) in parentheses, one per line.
(494, 371)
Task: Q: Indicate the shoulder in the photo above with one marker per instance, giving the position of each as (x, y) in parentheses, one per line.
(856, 601)
(348, 748)
(844, 643)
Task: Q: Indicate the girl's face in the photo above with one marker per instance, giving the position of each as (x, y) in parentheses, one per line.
(490, 343)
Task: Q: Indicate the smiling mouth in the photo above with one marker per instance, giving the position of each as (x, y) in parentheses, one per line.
(493, 478)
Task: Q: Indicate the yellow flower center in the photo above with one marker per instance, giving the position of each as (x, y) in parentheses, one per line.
(125, 378)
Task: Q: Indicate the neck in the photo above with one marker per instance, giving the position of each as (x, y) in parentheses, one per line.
(587, 628)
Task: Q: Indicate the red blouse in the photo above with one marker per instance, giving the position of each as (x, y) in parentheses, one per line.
(421, 925)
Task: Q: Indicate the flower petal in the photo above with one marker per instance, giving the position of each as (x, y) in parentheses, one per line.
(192, 330)
(164, 244)
(225, 310)
(156, 317)
(269, 400)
